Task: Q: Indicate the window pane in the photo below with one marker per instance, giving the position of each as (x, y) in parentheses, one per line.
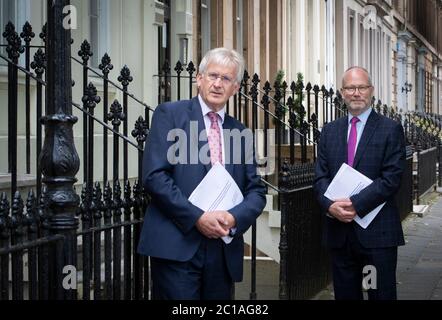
(94, 32)
(94, 8)
(7, 8)
(239, 26)
(205, 26)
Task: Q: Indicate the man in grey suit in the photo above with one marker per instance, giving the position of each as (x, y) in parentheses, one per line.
(374, 145)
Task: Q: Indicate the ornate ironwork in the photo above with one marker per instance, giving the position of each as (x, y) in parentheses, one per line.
(140, 132)
(39, 63)
(105, 65)
(116, 114)
(125, 78)
(43, 33)
(27, 33)
(85, 51)
(90, 98)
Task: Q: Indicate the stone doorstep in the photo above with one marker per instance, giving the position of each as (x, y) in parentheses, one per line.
(23, 180)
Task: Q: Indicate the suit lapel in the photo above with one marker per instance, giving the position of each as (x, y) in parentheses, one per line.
(197, 114)
(369, 129)
(342, 138)
(228, 143)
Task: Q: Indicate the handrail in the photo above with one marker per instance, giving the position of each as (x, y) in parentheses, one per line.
(107, 126)
(73, 103)
(276, 118)
(270, 185)
(114, 84)
(173, 76)
(30, 46)
(95, 72)
(282, 191)
(33, 76)
(289, 91)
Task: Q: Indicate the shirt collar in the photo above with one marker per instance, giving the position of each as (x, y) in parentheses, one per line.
(205, 109)
(363, 117)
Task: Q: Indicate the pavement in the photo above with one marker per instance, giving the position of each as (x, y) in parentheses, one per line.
(419, 270)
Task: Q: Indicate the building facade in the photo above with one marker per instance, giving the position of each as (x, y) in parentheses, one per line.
(398, 41)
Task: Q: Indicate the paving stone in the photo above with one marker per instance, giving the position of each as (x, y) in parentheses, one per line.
(419, 270)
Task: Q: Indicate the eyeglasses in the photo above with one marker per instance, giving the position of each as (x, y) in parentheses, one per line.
(352, 90)
(226, 80)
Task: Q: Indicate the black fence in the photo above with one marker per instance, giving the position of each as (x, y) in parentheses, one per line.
(404, 197)
(105, 235)
(305, 266)
(85, 240)
(426, 178)
(62, 243)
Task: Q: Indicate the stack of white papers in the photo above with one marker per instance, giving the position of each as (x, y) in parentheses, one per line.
(347, 183)
(217, 191)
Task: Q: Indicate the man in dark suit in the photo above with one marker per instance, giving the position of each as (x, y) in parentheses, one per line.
(374, 145)
(189, 259)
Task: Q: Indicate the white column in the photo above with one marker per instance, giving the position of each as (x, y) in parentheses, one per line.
(330, 43)
(411, 75)
(435, 87)
(228, 21)
(256, 36)
(403, 38)
(316, 45)
(422, 51)
(300, 44)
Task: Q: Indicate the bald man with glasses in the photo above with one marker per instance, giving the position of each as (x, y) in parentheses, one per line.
(373, 145)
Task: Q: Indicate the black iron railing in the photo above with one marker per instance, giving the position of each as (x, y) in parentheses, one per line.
(286, 119)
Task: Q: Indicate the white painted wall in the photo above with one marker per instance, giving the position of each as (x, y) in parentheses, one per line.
(133, 41)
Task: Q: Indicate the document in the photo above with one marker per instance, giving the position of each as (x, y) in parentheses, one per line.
(348, 182)
(217, 191)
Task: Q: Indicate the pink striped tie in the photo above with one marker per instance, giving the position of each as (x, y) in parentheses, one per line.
(352, 139)
(214, 138)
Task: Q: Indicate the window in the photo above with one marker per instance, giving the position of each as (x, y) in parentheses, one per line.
(7, 13)
(351, 37)
(361, 54)
(7, 9)
(99, 34)
(388, 69)
(371, 51)
(239, 26)
(428, 91)
(16, 11)
(378, 61)
(205, 26)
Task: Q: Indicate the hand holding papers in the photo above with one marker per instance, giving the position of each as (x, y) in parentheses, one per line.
(348, 182)
(217, 191)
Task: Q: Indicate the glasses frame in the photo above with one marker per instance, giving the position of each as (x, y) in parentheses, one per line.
(225, 80)
(353, 89)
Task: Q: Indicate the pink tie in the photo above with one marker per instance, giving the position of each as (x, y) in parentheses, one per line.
(352, 142)
(214, 138)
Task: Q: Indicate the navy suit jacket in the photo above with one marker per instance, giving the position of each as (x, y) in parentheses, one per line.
(380, 155)
(169, 230)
